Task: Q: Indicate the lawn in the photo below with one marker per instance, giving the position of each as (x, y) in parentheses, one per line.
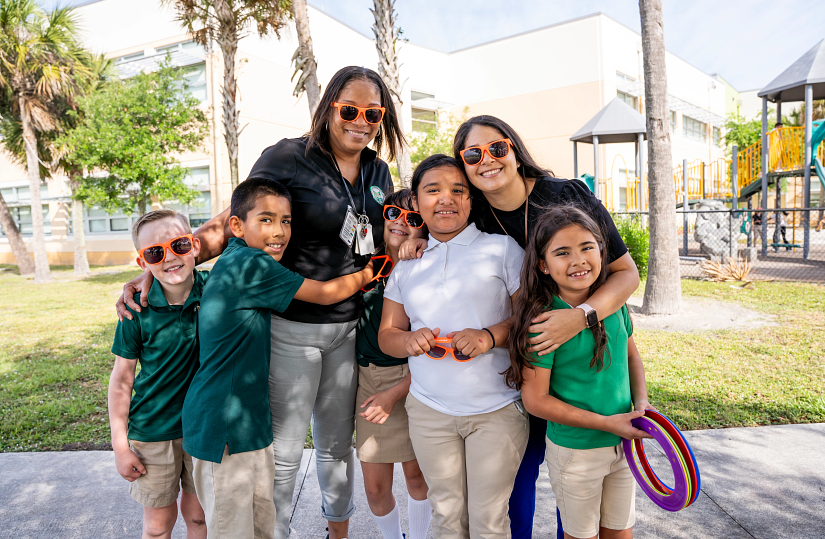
(55, 360)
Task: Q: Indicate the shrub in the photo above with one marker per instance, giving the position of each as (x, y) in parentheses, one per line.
(637, 238)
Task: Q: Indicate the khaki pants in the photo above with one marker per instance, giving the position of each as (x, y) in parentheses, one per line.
(236, 495)
(470, 463)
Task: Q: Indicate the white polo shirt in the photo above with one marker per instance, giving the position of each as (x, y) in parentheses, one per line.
(463, 283)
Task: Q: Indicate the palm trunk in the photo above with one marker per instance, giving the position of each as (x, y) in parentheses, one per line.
(41, 261)
(81, 260)
(313, 89)
(18, 248)
(386, 36)
(227, 39)
(663, 292)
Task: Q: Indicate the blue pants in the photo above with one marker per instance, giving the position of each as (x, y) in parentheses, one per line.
(523, 498)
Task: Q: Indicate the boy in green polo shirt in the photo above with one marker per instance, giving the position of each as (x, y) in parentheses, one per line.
(146, 428)
(227, 423)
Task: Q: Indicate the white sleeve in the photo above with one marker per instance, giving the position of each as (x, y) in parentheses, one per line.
(513, 258)
(393, 289)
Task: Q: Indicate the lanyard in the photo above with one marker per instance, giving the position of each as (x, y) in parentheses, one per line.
(346, 188)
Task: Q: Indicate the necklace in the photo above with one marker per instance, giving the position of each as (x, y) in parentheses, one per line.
(526, 203)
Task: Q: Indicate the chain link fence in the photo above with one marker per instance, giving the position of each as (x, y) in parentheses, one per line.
(774, 242)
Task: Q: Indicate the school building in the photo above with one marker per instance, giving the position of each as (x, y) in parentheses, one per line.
(547, 83)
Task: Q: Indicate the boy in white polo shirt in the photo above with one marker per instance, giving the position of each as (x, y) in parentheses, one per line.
(469, 430)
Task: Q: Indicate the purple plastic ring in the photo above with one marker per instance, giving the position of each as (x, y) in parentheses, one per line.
(679, 497)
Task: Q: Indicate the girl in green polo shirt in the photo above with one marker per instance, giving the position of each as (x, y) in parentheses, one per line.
(381, 425)
(590, 388)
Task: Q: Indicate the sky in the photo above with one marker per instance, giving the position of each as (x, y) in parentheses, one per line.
(748, 42)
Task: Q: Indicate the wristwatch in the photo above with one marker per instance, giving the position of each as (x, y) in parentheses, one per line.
(590, 315)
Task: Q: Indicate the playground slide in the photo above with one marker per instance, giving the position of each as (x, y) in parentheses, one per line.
(816, 138)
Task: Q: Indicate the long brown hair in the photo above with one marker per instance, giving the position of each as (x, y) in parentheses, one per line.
(535, 294)
(389, 133)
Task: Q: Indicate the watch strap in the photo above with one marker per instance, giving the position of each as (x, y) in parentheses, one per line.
(589, 314)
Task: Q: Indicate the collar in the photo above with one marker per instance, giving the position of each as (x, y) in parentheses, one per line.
(157, 298)
(465, 237)
(559, 303)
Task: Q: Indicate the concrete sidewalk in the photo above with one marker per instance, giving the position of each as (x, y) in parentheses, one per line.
(764, 482)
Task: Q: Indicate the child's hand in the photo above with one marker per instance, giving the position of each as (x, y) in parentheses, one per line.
(620, 425)
(421, 341)
(412, 248)
(379, 406)
(642, 405)
(129, 465)
(471, 342)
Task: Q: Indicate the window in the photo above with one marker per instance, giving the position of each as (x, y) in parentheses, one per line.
(622, 199)
(188, 55)
(199, 210)
(99, 221)
(627, 98)
(717, 136)
(622, 79)
(694, 129)
(673, 121)
(424, 121)
(418, 96)
(19, 194)
(195, 76)
(22, 216)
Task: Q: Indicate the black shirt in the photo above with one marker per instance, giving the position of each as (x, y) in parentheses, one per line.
(549, 192)
(319, 206)
(366, 333)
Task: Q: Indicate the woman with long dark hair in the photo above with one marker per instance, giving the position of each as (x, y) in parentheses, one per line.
(337, 184)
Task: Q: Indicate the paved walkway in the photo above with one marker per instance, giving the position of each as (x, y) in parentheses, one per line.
(764, 482)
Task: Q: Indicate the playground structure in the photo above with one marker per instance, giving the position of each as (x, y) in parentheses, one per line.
(784, 154)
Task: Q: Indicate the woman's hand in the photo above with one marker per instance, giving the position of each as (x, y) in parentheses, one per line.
(412, 248)
(620, 425)
(379, 406)
(421, 341)
(555, 328)
(471, 342)
(141, 283)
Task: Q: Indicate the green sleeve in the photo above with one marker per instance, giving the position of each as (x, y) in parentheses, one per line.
(267, 284)
(628, 323)
(128, 342)
(545, 361)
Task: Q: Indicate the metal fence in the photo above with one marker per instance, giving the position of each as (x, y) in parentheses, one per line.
(773, 241)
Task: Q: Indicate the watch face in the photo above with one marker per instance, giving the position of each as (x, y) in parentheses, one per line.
(592, 318)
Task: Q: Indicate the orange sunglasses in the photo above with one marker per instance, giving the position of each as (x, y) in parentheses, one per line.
(386, 265)
(440, 352)
(155, 254)
(394, 213)
(350, 113)
(498, 149)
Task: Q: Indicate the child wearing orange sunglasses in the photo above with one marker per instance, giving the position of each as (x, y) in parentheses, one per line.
(146, 430)
(383, 432)
(467, 427)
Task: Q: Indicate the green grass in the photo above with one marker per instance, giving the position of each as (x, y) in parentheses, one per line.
(55, 360)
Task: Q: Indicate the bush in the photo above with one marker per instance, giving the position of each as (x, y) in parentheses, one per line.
(637, 238)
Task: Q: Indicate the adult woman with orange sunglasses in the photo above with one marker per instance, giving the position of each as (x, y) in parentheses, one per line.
(510, 192)
(337, 184)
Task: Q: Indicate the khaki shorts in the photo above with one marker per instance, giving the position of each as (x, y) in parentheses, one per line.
(168, 468)
(390, 442)
(593, 488)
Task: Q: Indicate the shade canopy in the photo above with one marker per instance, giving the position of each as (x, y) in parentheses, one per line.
(790, 85)
(616, 122)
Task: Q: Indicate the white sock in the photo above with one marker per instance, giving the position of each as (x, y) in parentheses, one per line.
(390, 524)
(420, 513)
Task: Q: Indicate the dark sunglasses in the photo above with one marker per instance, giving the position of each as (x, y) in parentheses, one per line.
(350, 113)
(154, 254)
(382, 273)
(412, 218)
(497, 150)
(441, 350)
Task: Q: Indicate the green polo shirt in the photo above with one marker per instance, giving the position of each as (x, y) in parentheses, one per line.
(164, 339)
(366, 333)
(573, 380)
(228, 401)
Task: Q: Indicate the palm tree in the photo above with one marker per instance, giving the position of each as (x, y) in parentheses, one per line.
(304, 58)
(38, 62)
(227, 22)
(387, 36)
(663, 291)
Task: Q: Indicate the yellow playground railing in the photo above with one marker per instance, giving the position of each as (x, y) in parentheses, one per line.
(786, 152)
(606, 191)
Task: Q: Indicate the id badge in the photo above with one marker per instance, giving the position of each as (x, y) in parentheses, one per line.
(365, 245)
(348, 229)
